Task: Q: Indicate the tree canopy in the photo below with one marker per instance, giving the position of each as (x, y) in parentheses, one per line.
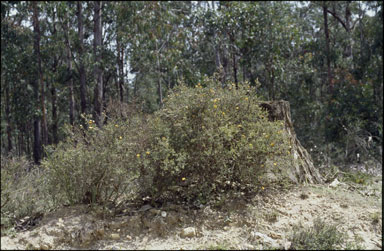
(61, 61)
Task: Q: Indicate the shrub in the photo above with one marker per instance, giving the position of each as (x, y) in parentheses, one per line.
(22, 192)
(94, 165)
(321, 236)
(209, 139)
(205, 140)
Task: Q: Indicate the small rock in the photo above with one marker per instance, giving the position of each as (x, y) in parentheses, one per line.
(163, 214)
(265, 239)
(45, 247)
(287, 245)
(129, 237)
(154, 211)
(334, 183)
(100, 233)
(188, 232)
(248, 246)
(274, 235)
(226, 228)
(115, 236)
(145, 208)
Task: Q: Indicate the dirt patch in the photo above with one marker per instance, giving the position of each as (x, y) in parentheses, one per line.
(264, 221)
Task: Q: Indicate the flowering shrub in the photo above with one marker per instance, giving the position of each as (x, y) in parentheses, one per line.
(204, 141)
(94, 165)
(209, 139)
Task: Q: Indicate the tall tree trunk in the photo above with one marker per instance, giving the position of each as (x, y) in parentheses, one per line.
(348, 26)
(8, 117)
(70, 84)
(53, 90)
(217, 51)
(120, 63)
(326, 31)
(44, 127)
(36, 48)
(232, 38)
(69, 71)
(54, 114)
(348, 49)
(159, 88)
(83, 100)
(97, 46)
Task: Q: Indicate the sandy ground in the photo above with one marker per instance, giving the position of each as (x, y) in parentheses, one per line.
(262, 221)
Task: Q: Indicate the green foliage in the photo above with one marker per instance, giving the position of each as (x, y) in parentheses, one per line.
(205, 140)
(208, 137)
(376, 217)
(22, 191)
(94, 165)
(357, 177)
(272, 216)
(321, 236)
(219, 246)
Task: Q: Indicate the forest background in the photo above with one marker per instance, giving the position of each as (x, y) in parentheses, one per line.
(65, 62)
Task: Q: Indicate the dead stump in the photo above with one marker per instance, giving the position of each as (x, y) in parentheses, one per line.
(303, 170)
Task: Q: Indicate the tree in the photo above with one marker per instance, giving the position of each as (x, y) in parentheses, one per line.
(37, 154)
(82, 74)
(326, 32)
(97, 50)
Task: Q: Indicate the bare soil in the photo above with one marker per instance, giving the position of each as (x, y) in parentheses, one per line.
(264, 221)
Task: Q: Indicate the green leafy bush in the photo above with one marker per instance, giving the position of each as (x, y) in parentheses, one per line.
(22, 192)
(205, 140)
(95, 165)
(209, 139)
(321, 236)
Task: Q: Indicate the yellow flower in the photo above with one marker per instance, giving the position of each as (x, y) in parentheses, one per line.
(243, 135)
(147, 152)
(250, 145)
(116, 125)
(223, 113)
(237, 108)
(215, 106)
(272, 144)
(262, 188)
(138, 155)
(239, 126)
(275, 164)
(246, 98)
(120, 137)
(183, 178)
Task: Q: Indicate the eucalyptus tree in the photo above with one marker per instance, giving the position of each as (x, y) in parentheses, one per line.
(98, 71)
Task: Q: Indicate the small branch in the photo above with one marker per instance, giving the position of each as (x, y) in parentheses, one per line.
(338, 19)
